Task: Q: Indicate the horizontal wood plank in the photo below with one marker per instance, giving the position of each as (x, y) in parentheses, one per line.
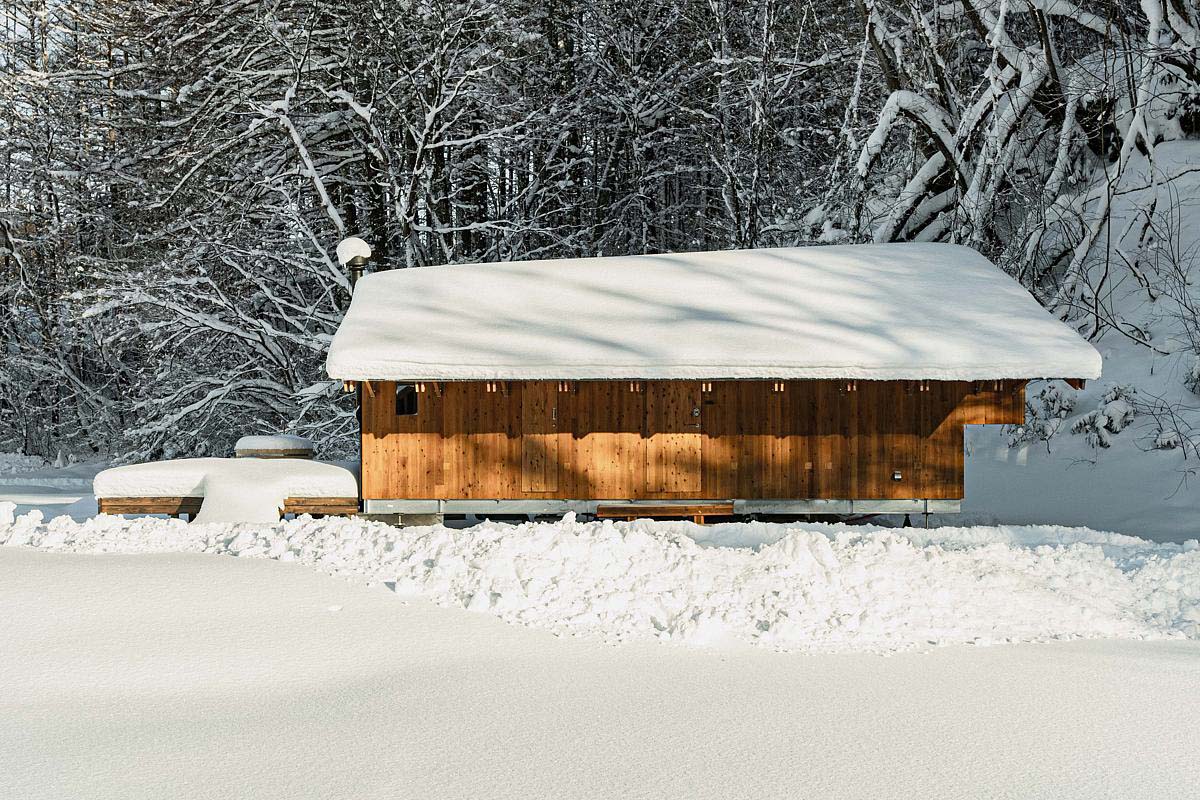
(149, 505)
(304, 452)
(666, 510)
(330, 506)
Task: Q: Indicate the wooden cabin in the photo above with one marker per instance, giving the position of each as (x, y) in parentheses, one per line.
(831, 380)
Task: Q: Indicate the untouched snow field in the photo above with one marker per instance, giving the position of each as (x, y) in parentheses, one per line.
(789, 587)
(184, 675)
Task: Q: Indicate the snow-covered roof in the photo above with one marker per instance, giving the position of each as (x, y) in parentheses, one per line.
(885, 312)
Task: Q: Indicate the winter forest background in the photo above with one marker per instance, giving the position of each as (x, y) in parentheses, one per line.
(176, 177)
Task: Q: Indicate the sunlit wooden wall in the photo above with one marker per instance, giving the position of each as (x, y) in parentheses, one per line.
(817, 439)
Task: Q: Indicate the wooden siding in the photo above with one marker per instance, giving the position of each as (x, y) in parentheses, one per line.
(677, 439)
(178, 506)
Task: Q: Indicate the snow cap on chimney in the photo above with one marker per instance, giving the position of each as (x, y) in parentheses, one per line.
(352, 248)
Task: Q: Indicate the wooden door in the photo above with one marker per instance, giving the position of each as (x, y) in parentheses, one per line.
(673, 438)
(604, 448)
(720, 457)
(539, 436)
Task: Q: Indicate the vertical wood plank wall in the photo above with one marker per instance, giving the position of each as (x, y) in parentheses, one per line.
(617, 440)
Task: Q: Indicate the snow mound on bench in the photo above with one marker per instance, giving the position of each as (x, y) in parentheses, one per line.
(240, 489)
(790, 587)
(184, 477)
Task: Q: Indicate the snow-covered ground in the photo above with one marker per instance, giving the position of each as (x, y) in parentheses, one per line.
(20, 470)
(186, 675)
(811, 588)
(32, 484)
(1129, 487)
(134, 663)
(1125, 452)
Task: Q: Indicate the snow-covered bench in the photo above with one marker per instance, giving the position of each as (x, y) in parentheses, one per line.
(229, 490)
(190, 506)
(697, 512)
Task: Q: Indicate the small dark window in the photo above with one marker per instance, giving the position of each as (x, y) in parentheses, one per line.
(406, 400)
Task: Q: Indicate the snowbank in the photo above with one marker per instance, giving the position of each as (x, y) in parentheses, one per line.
(882, 312)
(794, 587)
(28, 471)
(11, 463)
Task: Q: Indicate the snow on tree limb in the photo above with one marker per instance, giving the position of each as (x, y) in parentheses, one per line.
(931, 116)
(177, 175)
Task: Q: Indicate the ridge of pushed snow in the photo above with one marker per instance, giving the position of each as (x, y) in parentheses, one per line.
(791, 587)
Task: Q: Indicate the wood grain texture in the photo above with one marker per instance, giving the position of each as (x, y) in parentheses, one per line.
(697, 513)
(539, 436)
(671, 438)
(341, 506)
(640, 440)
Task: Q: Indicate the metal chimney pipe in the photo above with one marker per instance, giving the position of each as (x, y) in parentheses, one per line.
(353, 253)
(357, 265)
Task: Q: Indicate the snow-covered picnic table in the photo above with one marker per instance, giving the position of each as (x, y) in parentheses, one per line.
(229, 490)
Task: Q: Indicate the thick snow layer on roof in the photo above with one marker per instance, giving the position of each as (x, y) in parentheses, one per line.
(886, 312)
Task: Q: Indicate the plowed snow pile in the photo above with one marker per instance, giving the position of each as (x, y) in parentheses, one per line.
(792, 587)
